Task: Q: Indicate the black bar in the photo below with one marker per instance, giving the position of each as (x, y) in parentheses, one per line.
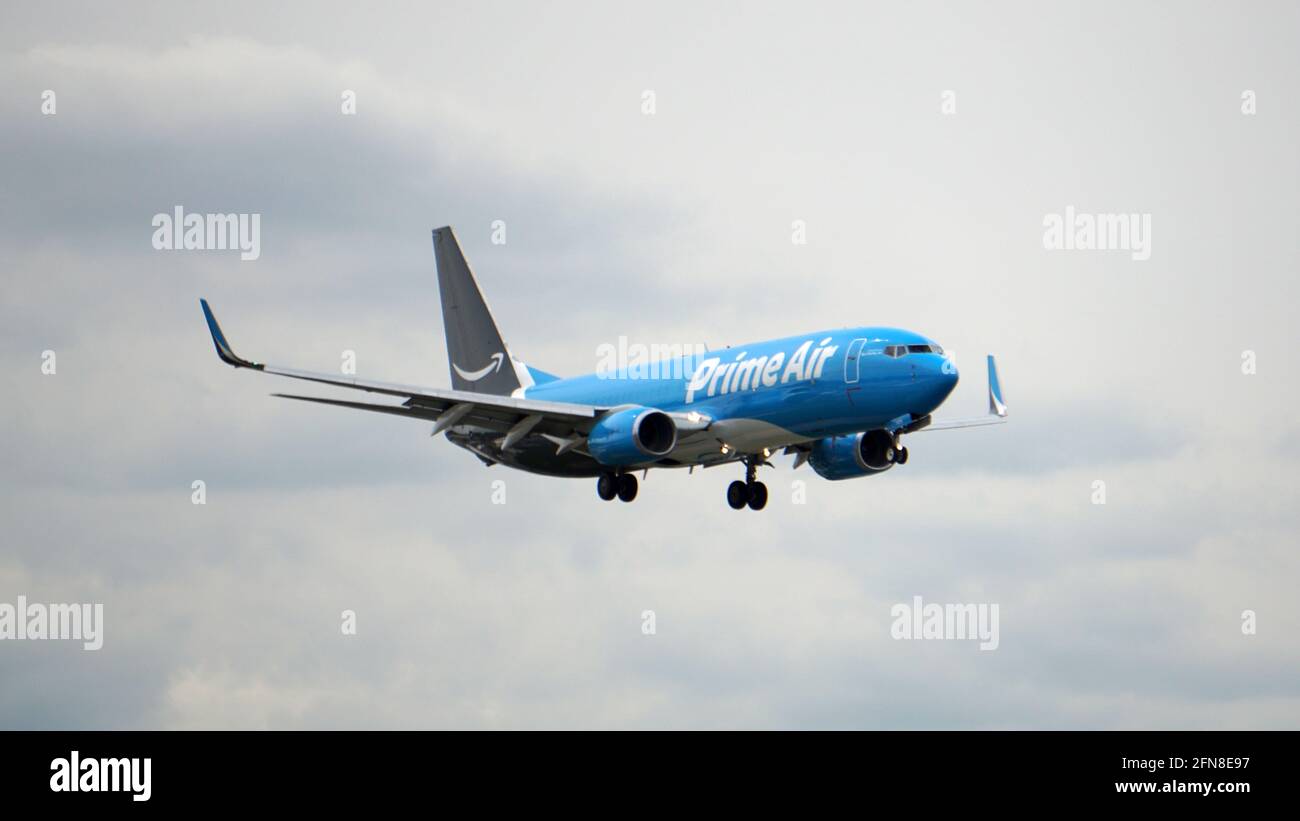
(336, 769)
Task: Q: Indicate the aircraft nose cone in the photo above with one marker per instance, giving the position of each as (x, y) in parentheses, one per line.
(948, 373)
(944, 378)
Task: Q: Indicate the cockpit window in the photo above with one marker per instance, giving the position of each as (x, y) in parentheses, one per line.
(924, 349)
(902, 350)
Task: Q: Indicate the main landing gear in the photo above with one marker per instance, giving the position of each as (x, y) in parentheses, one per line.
(622, 485)
(751, 491)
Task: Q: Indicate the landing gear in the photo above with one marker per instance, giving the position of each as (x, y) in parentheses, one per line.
(900, 456)
(737, 495)
(622, 485)
(607, 486)
(626, 487)
(749, 492)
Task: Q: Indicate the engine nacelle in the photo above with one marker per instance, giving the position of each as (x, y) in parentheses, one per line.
(848, 457)
(632, 437)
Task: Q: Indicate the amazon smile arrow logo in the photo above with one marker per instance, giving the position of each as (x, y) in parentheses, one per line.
(474, 376)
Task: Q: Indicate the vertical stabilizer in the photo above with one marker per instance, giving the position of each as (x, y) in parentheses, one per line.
(479, 358)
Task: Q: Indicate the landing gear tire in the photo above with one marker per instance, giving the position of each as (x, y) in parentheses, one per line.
(900, 458)
(757, 496)
(607, 486)
(737, 495)
(626, 487)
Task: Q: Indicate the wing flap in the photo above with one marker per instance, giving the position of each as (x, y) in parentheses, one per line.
(397, 410)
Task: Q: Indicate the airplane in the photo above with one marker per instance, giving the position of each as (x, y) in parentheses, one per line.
(838, 400)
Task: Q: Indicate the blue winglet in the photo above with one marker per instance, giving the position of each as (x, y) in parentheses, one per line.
(996, 404)
(224, 350)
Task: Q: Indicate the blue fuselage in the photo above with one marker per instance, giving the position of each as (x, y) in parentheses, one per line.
(821, 384)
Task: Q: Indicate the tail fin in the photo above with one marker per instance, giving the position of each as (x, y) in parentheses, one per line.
(480, 360)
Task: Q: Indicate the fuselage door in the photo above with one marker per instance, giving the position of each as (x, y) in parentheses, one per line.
(851, 358)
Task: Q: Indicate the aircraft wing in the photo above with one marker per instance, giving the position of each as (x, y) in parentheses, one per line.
(516, 418)
(997, 408)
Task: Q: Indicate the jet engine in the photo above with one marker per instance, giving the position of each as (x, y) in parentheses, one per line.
(632, 436)
(859, 454)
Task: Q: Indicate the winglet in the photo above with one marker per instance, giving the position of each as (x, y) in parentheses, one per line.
(996, 405)
(224, 350)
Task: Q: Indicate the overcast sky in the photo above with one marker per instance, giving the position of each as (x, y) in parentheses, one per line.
(670, 227)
